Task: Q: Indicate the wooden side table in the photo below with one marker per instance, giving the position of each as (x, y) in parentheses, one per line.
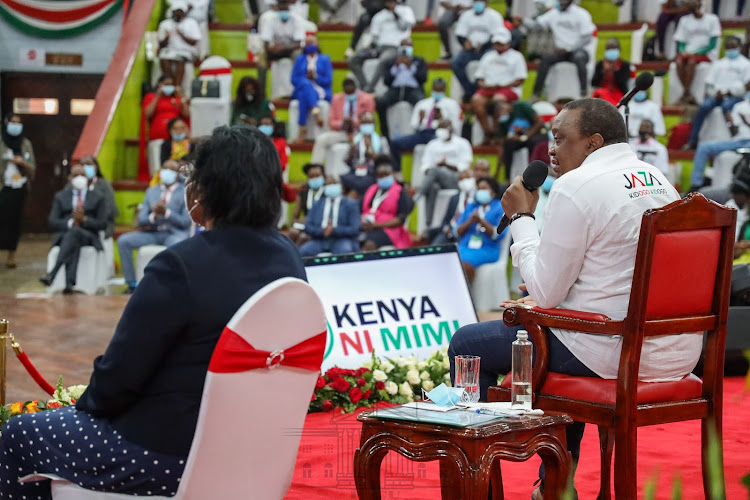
(476, 451)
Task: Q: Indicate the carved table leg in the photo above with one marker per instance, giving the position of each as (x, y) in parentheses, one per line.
(476, 484)
(557, 462)
(496, 481)
(450, 484)
(367, 461)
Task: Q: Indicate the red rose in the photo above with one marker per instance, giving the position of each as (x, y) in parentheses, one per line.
(362, 371)
(380, 385)
(361, 382)
(340, 384)
(333, 372)
(355, 395)
(366, 394)
(327, 405)
(312, 398)
(320, 383)
(347, 372)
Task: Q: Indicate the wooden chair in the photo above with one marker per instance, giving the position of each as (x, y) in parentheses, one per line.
(681, 284)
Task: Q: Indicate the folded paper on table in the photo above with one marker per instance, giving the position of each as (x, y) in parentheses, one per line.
(451, 418)
(500, 408)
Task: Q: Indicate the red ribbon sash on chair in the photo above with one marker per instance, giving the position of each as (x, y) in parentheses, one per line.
(234, 354)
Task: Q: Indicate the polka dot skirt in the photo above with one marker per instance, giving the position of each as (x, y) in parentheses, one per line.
(82, 449)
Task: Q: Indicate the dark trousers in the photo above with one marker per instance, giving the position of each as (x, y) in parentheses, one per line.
(407, 142)
(661, 27)
(579, 57)
(411, 95)
(70, 251)
(362, 24)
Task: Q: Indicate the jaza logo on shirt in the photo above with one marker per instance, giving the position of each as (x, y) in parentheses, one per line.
(638, 180)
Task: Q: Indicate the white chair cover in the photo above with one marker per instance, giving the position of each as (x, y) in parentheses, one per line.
(219, 69)
(697, 89)
(145, 254)
(281, 78)
(312, 126)
(399, 120)
(490, 286)
(153, 153)
(368, 69)
(336, 159)
(92, 272)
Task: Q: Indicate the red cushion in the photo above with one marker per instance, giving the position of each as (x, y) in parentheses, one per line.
(569, 313)
(598, 390)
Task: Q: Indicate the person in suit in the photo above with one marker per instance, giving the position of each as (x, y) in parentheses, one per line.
(77, 216)
(333, 222)
(97, 181)
(405, 81)
(145, 391)
(162, 220)
(312, 76)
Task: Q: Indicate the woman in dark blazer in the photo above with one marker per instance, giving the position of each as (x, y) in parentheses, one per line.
(140, 410)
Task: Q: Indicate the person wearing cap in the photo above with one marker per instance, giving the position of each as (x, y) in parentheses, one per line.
(499, 78)
(612, 74)
(178, 37)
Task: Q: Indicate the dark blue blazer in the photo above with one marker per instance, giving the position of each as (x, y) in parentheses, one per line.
(149, 382)
(347, 225)
(324, 72)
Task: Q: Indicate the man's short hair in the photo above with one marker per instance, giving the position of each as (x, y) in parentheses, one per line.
(599, 117)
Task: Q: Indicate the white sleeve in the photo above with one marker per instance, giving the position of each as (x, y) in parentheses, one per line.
(376, 24)
(428, 157)
(545, 20)
(191, 29)
(711, 76)
(658, 118)
(466, 154)
(715, 28)
(662, 159)
(415, 122)
(587, 25)
(679, 32)
(406, 14)
(483, 63)
(266, 30)
(299, 33)
(462, 29)
(746, 74)
(521, 68)
(551, 264)
(162, 31)
(454, 109)
(498, 23)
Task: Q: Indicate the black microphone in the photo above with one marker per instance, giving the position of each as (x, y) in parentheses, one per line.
(533, 178)
(642, 82)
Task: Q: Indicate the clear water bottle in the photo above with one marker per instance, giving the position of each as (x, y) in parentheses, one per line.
(520, 392)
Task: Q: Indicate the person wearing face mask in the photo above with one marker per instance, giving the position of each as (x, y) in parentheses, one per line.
(425, 118)
(648, 149)
(178, 38)
(343, 118)
(385, 207)
(273, 131)
(697, 35)
(474, 30)
(283, 35)
(333, 222)
(98, 182)
(443, 158)
(312, 76)
(405, 80)
(643, 108)
(76, 217)
(310, 192)
(365, 147)
(17, 167)
(250, 104)
(519, 126)
(612, 74)
(179, 144)
(163, 219)
(726, 84)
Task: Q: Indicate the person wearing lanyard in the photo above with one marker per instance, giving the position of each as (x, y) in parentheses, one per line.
(332, 223)
(311, 192)
(479, 243)
(385, 207)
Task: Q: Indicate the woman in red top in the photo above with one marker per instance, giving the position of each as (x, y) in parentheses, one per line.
(611, 75)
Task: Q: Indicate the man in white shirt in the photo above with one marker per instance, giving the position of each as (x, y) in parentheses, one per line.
(697, 36)
(453, 10)
(283, 35)
(388, 29)
(443, 158)
(425, 117)
(500, 75)
(643, 108)
(584, 258)
(725, 85)
(739, 120)
(648, 149)
(572, 29)
(474, 31)
(178, 37)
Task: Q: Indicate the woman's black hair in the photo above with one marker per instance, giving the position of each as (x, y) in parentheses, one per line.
(174, 120)
(239, 98)
(307, 166)
(238, 178)
(14, 143)
(493, 184)
(162, 78)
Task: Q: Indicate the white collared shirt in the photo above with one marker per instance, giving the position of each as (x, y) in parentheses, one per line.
(502, 69)
(479, 28)
(729, 76)
(455, 151)
(652, 152)
(331, 211)
(572, 28)
(696, 33)
(585, 257)
(645, 110)
(274, 30)
(386, 30)
(449, 110)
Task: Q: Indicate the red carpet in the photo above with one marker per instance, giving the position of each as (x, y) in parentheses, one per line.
(324, 463)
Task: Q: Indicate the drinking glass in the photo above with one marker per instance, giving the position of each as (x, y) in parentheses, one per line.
(467, 377)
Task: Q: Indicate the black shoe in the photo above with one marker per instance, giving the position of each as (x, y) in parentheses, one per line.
(68, 290)
(129, 290)
(47, 280)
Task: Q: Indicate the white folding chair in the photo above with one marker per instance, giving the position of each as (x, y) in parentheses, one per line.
(714, 127)
(153, 153)
(416, 166)
(562, 81)
(336, 159)
(91, 274)
(219, 69)
(368, 69)
(441, 206)
(697, 89)
(637, 40)
(312, 127)
(399, 119)
(231, 417)
(145, 254)
(207, 113)
(490, 286)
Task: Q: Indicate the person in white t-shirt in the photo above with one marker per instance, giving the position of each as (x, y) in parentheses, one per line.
(643, 108)
(583, 260)
(726, 84)
(499, 78)
(178, 38)
(474, 31)
(283, 35)
(648, 149)
(697, 36)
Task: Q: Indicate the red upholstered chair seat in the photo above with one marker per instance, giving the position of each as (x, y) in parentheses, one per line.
(598, 390)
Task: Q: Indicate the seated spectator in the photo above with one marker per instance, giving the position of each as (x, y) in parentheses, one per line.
(671, 12)
(328, 10)
(162, 105)
(343, 118)
(725, 85)
(611, 80)
(332, 223)
(572, 29)
(76, 217)
(696, 35)
(385, 208)
(389, 28)
(474, 31)
(312, 77)
(500, 75)
(478, 242)
(739, 120)
(444, 157)
(178, 39)
(518, 127)
(179, 144)
(539, 39)
(371, 7)
(452, 11)
(405, 81)
(649, 149)
(276, 132)
(250, 103)
(366, 146)
(425, 118)
(99, 183)
(283, 35)
(163, 219)
(643, 108)
(467, 187)
(310, 192)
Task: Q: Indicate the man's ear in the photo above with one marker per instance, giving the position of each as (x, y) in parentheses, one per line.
(595, 142)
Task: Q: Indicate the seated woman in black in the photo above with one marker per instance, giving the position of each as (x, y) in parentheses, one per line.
(131, 431)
